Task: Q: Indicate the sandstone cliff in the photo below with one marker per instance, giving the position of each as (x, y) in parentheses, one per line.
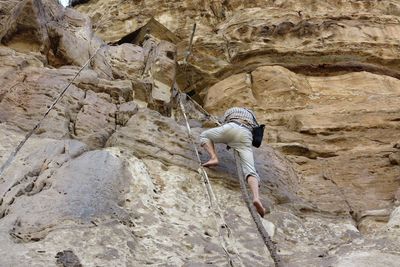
(110, 178)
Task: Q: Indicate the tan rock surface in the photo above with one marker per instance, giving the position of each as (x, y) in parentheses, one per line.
(314, 37)
(338, 129)
(110, 178)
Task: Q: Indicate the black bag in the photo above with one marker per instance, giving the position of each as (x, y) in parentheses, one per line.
(258, 132)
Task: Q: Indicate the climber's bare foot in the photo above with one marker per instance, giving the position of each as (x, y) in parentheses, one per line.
(211, 163)
(259, 207)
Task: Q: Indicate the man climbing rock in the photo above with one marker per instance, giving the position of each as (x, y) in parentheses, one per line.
(236, 132)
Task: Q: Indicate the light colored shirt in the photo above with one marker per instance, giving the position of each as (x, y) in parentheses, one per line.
(240, 115)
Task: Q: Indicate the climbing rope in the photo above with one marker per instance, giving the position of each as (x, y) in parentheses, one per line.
(29, 134)
(264, 234)
(225, 233)
(260, 227)
(189, 51)
(233, 258)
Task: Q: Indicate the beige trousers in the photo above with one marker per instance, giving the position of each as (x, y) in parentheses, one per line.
(238, 138)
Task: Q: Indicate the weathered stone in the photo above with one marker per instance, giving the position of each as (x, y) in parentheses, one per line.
(394, 158)
(96, 120)
(24, 28)
(238, 85)
(322, 75)
(27, 99)
(293, 103)
(366, 258)
(58, 189)
(157, 30)
(125, 112)
(127, 61)
(160, 68)
(67, 258)
(394, 221)
(147, 134)
(117, 89)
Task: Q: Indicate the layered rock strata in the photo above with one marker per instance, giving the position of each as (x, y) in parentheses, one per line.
(110, 178)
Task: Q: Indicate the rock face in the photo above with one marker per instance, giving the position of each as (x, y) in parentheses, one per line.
(110, 178)
(338, 128)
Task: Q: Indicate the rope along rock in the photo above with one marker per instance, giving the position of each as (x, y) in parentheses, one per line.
(226, 237)
(260, 227)
(29, 134)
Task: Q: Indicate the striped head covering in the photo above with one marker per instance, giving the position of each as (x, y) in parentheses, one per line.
(240, 115)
